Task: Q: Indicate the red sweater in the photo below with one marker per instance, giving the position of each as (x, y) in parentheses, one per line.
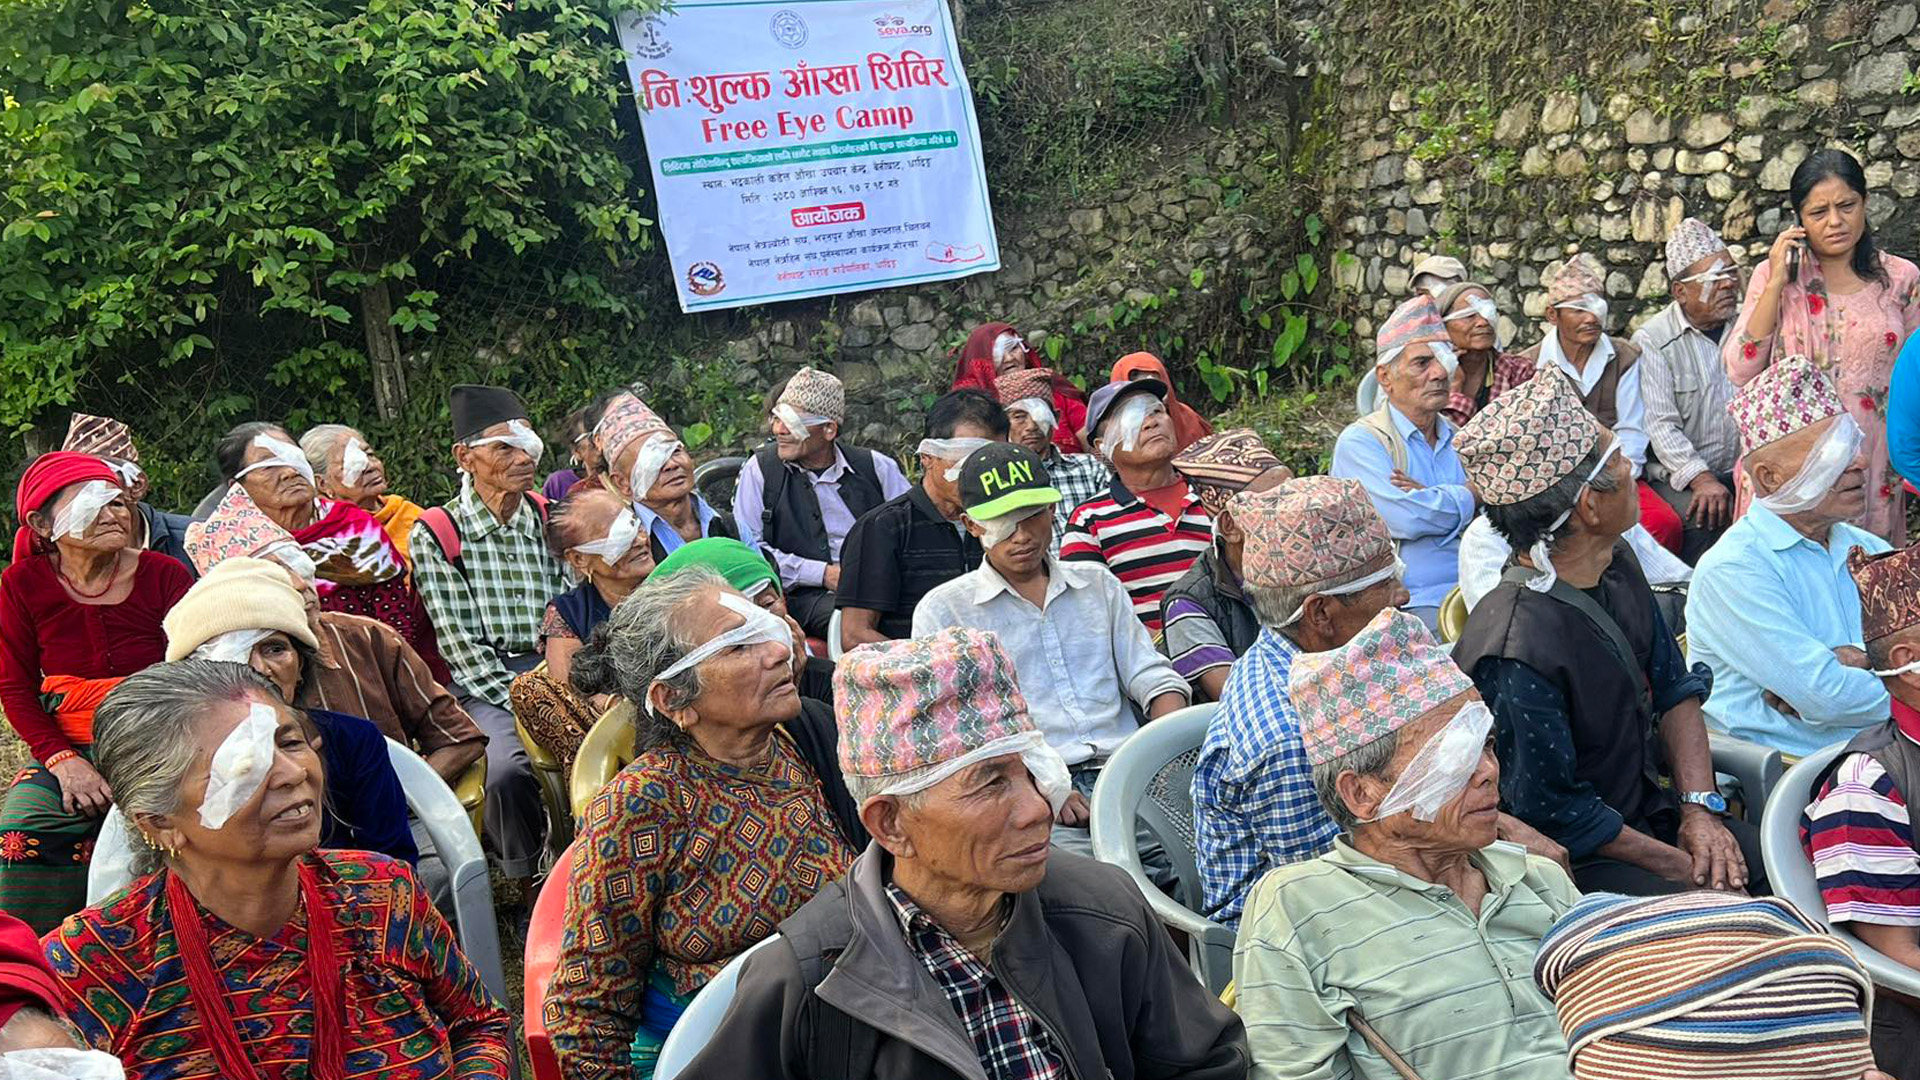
(42, 631)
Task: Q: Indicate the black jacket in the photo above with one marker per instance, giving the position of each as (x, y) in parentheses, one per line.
(1083, 951)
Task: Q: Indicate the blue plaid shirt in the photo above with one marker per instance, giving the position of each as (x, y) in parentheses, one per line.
(1254, 807)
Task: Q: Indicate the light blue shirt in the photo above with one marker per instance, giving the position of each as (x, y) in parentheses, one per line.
(669, 537)
(1766, 610)
(1427, 523)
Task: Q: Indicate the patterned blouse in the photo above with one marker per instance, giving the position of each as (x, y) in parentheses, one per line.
(682, 862)
(415, 1009)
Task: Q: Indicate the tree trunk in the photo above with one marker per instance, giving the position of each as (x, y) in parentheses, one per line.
(383, 348)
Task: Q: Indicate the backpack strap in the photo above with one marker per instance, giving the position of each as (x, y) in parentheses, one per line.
(860, 460)
(446, 534)
(1616, 638)
(773, 486)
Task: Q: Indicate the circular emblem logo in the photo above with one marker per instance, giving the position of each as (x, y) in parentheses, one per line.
(649, 36)
(705, 279)
(788, 28)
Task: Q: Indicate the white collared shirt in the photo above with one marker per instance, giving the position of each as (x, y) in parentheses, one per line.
(1079, 660)
(1631, 410)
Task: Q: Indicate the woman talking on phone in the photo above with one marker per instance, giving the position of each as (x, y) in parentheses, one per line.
(1828, 293)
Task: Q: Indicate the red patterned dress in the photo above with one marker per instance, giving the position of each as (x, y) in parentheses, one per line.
(682, 863)
(415, 1009)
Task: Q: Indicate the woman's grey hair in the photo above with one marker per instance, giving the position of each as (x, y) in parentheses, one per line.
(1527, 520)
(643, 637)
(1369, 760)
(144, 735)
(319, 443)
(1273, 606)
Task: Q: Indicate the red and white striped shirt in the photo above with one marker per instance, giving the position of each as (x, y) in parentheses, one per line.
(1146, 549)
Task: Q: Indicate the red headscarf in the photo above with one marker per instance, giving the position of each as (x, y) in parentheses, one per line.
(25, 978)
(42, 481)
(976, 370)
(1189, 427)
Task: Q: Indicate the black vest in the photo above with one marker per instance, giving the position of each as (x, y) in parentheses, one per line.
(1615, 747)
(1900, 757)
(790, 520)
(1210, 584)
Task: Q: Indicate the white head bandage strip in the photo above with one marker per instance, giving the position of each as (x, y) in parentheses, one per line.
(1039, 410)
(1442, 351)
(292, 556)
(60, 1063)
(1821, 470)
(1122, 430)
(81, 511)
(519, 436)
(997, 531)
(129, 473)
(1721, 270)
(800, 425)
(654, 455)
(1591, 304)
(1043, 762)
(232, 647)
(353, 463)
(619, 539)
(1542, 551)
(283, 455)
(1005, 344)
(240, 766)
(1394, 569)
(952, 451)
(1475, 306)
(758, 626)
(1439, 772)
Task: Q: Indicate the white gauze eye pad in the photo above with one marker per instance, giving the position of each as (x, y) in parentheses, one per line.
(519, 436)
(353, 463)
(758, 625)
(1123, 431)
(240, 766)
(654, 455)
(619, 539)
(232, 647)
(81, 511)
(285, 455)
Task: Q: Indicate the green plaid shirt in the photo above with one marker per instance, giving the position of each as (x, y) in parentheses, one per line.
(494, 610)
(1078, 478)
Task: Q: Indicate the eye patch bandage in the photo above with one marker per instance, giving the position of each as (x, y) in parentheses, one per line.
(285, 455)
(240, 766)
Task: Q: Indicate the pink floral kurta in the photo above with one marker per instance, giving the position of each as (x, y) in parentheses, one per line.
(1855, 339)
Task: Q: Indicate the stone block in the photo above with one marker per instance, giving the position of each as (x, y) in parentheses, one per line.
(866, 313)
(1431, 193)
(1087, 222)
(1906, 181)
(1389, 170)
(1707, 129)
(1399, 101)
(919, 309)
(1535, 162)
(1645, 129)
(1753, 109)
(1615, 227)
(1560, 112)
(1894, 22)
(1720, 187)
(1908, 143)
(1415, 170)
(1637, 159)
(1417, 222)
(1777, 173)
(1663, 158)
(1750, 148)
(1514, 125)
(1820, 93)
(1879, 175)
(1618, 108)
(1570, 162)
(1645, 222)
(1878, 73)
(1901, 116)
(1693, 163)
(1653, 283)
(1619, 284)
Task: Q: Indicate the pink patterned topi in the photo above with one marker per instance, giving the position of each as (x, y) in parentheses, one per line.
(1312, 530)
(904, 705)
(1789, 395)
(1525, 441)
(1411, 323)
(1391, 674)
(627, 420)
(815, 393)
(1580, 275)
(1692, 240)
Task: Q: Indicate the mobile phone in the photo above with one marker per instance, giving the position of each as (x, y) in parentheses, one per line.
(1793, 262)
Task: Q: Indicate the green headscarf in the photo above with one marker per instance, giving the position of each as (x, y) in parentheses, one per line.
(744, 568)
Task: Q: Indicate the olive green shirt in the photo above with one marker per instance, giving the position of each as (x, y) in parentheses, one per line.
(1451, 993)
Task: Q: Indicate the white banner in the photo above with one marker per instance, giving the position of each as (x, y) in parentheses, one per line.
(808, 147)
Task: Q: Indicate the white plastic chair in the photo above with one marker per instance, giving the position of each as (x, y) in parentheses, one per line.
(833, 637)
(696, 1026)
(1151, 778)
(447, 824)
(1791, 873)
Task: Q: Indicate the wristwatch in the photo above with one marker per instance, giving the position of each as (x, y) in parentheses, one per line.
(1715, 802)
